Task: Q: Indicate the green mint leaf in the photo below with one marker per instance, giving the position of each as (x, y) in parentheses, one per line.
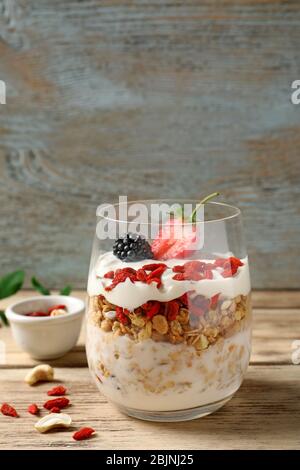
(39, 287)
(11, 283)
(66, 290)
(3, 318)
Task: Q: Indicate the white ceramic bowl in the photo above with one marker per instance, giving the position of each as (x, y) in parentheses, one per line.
(46, 337)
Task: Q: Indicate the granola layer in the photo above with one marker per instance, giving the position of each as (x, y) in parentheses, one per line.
(195, 325)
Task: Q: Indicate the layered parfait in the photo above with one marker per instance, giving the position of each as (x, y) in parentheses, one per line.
(167, 333)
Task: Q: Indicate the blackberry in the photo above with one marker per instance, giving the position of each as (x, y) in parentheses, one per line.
(132, 247)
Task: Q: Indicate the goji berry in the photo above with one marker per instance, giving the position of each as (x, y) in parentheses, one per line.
(179, 277)
(172, 309)
(209, 266)
(57, 391)
(194, 265)
(153, 266)
(9, 410)
(83, 433)
(230, 265)
(201, 301)
(109, 275)
(214, 301)
(184, 299)
(60, 403)
(146, 306)
(121, 315)
(178, 269)
(157, 272)
(33, 409)
(141, 275)
(120, 276)
(57, 307)
(198, 311)
(208, 274)
(37, 314)
(153, 310)
(219, 262)
(55, 409)
(194, 276)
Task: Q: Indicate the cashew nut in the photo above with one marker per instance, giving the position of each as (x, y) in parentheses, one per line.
(42, 372)
(57, 312)
(53, 420)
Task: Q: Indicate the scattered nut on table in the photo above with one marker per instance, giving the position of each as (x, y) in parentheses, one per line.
(57, 312)
(42, 372)
(53, 420)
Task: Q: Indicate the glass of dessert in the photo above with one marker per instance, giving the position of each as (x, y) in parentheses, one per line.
(169, 314)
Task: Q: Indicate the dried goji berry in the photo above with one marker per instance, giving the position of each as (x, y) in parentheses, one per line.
(141, 275)
(184, 299)
(83, 433)
(55, 409)
(146, 306)
(178, 269)
(60, 403)
(198, 311)
(235, 261)
(120, 276)
(230, 265)
(201, 301)
(179, 277)
(194, 265)
(154, 309)
(209, 266)
(219, 262)
(109, 275)
(208, 274)
(157, 272)
(121, 315)
(33, 409)
(9, 410)
(214, 301)
(172, 309)
(57, 391)
(37, 314)
(57, 307)
(153, 266)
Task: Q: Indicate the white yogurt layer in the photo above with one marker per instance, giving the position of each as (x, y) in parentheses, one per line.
(132, 295)
(160, 376)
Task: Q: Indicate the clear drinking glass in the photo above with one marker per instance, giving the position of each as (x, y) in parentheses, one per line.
(172, 341)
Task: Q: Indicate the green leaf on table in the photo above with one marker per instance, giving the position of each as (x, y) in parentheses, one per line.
(3, 318)
(39, 287)
(66, 290)
(11, 283)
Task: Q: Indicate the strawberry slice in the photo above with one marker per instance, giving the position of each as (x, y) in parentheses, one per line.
(168, 245)
(164, 240)
(181, 248)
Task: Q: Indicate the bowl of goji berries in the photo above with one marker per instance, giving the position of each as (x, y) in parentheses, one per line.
(48, 326)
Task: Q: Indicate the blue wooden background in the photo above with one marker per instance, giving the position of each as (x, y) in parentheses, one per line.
(146, 98)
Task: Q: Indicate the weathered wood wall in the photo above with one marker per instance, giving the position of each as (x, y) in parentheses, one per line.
(146, 98)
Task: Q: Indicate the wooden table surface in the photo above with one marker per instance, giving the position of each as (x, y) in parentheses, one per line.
(264, 413)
